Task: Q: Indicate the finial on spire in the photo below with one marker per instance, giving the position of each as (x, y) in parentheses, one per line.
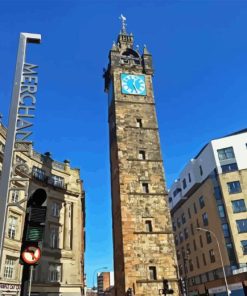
(124, 25)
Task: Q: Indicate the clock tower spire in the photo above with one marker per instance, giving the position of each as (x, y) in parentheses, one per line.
(144, 252)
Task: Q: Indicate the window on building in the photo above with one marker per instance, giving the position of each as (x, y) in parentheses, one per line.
(57, 181)
(197, 262)
(225, 229)
(183, 218)
(142, 155)
(234, 187)
(138, 122)
(201, 243)
(55, 209)
(188, 250)
(191, 265)
(186, 234)
(176, 191)
(226, 153)
(54, 237)
(192, 229)
(197, 222)
(217, 193)
(194, 244)
(189, 213)
(184, 183)
(145, 188)
(19, 159)
(208, 237)
(12, 227)
(231, 167)
(178, 222)
(9, 267)
(176, 240)
(201, 170)
(201, 202)
(152, 273)
(174, 226)
(15, 195)
(189, 177)
(195, 209)
(205, 219)
(231, 253)
(211, 256)
(180, 268)
(38, 173)
(221, 211)
(55, 273)
(149, 227)
(204, 259)
(178, 254)
(238, 206)
(244, 246)
(242, 225)
(181, 237)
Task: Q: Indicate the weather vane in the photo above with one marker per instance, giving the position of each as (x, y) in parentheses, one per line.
(124, 25)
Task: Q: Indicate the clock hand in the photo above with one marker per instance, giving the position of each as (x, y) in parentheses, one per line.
(134, 80)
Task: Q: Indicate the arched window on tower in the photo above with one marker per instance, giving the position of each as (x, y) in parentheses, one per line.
(130, 57)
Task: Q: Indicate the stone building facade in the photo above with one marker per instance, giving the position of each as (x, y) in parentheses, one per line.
(61, 267)
(209, 207)
(144, 252)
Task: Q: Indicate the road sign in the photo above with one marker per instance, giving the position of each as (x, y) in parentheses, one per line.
(31, 255)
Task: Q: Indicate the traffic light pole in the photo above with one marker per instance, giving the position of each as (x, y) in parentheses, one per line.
(17, 103)
(30, 280)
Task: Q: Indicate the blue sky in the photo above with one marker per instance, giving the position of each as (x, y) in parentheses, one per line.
(200, 57)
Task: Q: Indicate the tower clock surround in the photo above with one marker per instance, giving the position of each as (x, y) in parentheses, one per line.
(144, 251)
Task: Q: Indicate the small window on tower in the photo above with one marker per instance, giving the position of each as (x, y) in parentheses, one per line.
(145, 187)
(152, 273)
(148, 224)
(138, 122)
(142, 154)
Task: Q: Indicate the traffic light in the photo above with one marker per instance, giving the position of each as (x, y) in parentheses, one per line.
(34, 221)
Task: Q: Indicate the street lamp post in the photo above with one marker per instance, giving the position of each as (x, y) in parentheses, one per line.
(223, 268)
(97, 269)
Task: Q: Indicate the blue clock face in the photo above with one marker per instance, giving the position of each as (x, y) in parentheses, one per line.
(133, 84)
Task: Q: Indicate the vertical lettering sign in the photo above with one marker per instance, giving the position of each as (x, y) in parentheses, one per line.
(18, 132)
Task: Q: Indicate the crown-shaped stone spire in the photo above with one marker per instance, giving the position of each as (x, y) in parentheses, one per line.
(124, 25)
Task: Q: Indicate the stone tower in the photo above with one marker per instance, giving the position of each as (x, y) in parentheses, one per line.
(144, 252)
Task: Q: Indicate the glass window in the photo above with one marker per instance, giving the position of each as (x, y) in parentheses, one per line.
(191, 265)
(181, 237)
(194, 244)
(204, 259)
(57, 181)
(188, 251)
(189, 214)
(176, 240)
(244, 246)
(189, 177)
(221, 211)
(242, 225)
(55, 209)
(178, 254)
(152, 273)
(195, 209)
(205, 219)
(55, 273)
(9, 267)
(178, 222)
(230, 252)
(183, 218)
(148, 224)
(38, 173)
(145, 188)
(225, 229)
(186, 234)
(138, 122)
(142, 155)
(12, 227)
(20, 160)
(217, 193)
(201, 202)
(14, 196)
(54, 237)
(192, 229)
(238, 206)
(184, 183)
(234, 187)
(174, 226)
(226, 153)
(201, 243)
(231, 167)
(201, 171)
(208, 237)
(212, 256)
(197, 262)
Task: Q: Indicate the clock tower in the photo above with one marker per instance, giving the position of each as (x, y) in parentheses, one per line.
(144, 251)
